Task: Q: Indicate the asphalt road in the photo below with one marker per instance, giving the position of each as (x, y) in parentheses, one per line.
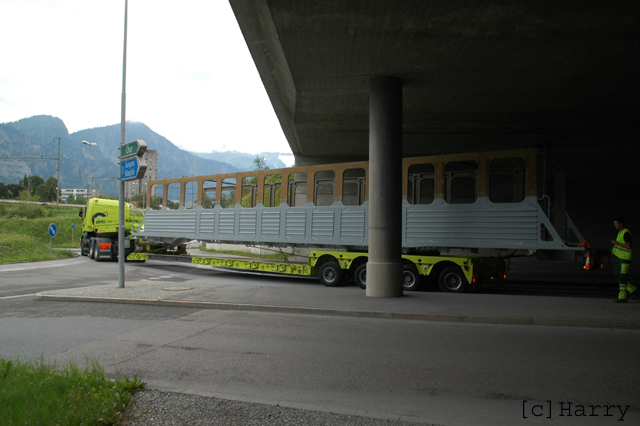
(442, 373)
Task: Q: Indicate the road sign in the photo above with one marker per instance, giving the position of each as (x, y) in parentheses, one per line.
(136, 147)
(132, 168)
(53, 230)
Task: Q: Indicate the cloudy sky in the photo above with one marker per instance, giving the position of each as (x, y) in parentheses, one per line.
(190, 76)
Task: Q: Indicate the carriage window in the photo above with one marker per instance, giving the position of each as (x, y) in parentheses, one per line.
(209, 194)
(461, 182)
(421, 184)
(272, 190)
(156, 196)
(173, 196)
(353, 187)
(227, 197)
(507, 180)
(191, 195)
(297, 189)
(249, 191)
(323, 194)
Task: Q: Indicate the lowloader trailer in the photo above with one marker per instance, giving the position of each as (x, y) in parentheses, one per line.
(456, 274)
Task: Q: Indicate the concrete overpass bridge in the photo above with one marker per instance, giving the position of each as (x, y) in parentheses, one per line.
(385, 79)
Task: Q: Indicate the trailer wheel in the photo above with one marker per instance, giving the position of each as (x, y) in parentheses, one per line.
(330, 274)
(411, 279)
(452, 280)
(360, 276)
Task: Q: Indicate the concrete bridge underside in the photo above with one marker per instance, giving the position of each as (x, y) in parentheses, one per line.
(476, 76)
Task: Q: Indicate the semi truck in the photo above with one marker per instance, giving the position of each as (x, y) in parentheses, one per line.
(100, 228)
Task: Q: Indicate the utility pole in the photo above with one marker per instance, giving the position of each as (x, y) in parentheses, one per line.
(58, 187)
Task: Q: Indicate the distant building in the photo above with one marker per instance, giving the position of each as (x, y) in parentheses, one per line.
(135, 187)
(76, 192)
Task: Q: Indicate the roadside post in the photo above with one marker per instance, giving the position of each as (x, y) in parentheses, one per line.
(132, 167)
(53, 230)
(73, 228)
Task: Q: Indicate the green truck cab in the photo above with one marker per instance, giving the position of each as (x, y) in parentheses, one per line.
(100, 228)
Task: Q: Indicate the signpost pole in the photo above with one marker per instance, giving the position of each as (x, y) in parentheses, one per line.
(53, 230)
(121, 224)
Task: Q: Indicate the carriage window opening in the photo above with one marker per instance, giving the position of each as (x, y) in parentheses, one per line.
(353, 187)
(323, 194)
(173, 196)
(249, 191)
(156, 196)
(272, 191)
(191, 195)
(461, 182)
(297, 189)
(228, 194)
(421, 184)
(507, 180)
(209, 194)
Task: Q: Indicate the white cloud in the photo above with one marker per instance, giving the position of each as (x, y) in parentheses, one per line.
(190, 76)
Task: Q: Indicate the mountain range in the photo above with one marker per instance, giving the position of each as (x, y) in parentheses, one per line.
(30, 147)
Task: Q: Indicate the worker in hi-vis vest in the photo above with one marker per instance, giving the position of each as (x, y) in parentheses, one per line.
(623, 256)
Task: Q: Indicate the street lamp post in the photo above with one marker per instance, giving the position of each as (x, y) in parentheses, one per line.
(89, 181)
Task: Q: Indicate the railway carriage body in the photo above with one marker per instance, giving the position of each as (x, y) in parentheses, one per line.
(468, 201)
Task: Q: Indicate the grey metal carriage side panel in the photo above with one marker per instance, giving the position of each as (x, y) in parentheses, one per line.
(206, 225)
(270, 223)
(354, 225)
(322, 224)
(226, 223)
(481, 224)
(478, 225)
(295, 224)
(248, 224)
(170, 223)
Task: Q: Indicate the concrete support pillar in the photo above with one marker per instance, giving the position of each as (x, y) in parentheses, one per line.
(384, 269)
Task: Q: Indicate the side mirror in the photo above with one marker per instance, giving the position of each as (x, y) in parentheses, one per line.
(81, 213)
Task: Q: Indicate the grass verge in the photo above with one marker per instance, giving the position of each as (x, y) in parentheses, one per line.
(38, 394)
(23, 248)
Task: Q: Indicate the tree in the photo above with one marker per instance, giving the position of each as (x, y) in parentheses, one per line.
(156, 200)
(14, 189)
(47, 192)
(5, 192)
(31, 184)
(260, 162)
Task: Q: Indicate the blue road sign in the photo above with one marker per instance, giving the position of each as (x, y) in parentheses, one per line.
(53, 230)
(132, 168)
(73, 225)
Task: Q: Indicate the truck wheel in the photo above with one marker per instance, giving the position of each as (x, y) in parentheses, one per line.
(411, 279)
(452, 280)
(92, 248)
(360, 276)
(330, 274)
(96, 250)
(84, 245)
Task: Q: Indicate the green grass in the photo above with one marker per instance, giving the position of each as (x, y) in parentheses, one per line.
(24, 232)
(23, 248)
(39, 394)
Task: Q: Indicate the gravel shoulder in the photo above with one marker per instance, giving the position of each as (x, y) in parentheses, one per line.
(159, 408)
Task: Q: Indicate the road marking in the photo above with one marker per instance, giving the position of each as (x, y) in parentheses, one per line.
(15, 297)
(32, 266)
